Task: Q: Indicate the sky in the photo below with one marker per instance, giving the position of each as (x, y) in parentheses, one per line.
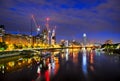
(99, 19)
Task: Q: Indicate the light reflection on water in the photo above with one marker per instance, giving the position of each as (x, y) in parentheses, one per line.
(91, 60)
(88, 62)
(91, 57)
(67, 53)
(14, 65)
(84, 62)
(48, 68)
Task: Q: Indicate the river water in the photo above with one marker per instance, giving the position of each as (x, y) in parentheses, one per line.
(68, 65)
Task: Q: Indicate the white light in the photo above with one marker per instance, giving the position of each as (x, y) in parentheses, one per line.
(38, 29)
(84, 62)
(49, 31)
(53, 31)
(67, 54)
(84, 35)
(38, 70)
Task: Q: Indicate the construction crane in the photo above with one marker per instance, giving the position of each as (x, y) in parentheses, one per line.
(51, 32)
(48, 30)
(47, 24)
(37, 26)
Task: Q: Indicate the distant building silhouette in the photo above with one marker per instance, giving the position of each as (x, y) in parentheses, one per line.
(2, 32)
(108, 42)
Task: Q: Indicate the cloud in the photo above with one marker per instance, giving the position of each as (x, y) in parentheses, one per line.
(70, 17)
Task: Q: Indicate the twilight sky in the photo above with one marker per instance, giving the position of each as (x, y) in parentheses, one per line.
(99, 19)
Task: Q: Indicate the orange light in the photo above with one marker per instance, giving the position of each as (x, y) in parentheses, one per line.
(91, 58)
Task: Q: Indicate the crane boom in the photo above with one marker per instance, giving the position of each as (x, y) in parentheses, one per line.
(34, 21)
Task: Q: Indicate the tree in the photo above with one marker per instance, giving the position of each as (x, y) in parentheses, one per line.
(3, 46)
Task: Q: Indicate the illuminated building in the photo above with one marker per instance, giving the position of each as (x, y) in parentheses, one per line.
(53, 37)
(48, 31)
(66, 43)
(108, 42)
(43, 38)
(18, 39)
(2, 32)
(62, 42)
(84, 39)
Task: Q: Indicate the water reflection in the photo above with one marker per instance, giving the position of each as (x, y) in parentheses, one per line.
(116, 58)
(47, 75)
(48, 67)
(97, 52)
(91, 60)
(75, 58)
(91, 57)
(18, 64)
(84, 62)
(74, 66)
(2, 69)
(67, 52)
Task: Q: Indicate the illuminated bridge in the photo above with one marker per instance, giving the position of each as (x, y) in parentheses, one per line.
(69, 47)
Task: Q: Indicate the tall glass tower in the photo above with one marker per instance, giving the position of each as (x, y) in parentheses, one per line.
(84, 39)
(53, 37)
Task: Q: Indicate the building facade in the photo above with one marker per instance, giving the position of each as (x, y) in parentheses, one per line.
(27, 40)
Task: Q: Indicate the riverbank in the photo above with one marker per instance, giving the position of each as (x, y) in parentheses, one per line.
(4, 54)
(112, 50)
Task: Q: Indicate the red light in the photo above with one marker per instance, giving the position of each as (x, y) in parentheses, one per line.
(47, 18)
(47, 76)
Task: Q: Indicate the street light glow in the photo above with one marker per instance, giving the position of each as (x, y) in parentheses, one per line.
(38, 29)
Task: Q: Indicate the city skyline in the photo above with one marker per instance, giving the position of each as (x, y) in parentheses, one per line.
(99, 19)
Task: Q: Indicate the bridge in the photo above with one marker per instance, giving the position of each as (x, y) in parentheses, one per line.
(16, 52)
(72, 47)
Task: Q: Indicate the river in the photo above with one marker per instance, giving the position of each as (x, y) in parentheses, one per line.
(68, 65)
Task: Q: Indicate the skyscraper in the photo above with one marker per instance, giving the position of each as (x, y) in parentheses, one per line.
(53, 37)
(2, 32)
(84, 39)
